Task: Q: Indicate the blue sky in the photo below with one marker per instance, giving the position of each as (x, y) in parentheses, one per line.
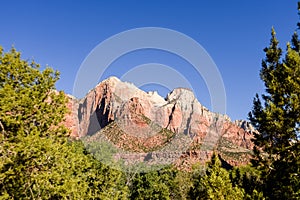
(62, 33)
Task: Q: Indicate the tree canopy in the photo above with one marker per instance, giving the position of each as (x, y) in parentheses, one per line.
(277, 119)
(38, 161)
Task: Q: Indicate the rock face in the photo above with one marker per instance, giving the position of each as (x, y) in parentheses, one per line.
(144, 122)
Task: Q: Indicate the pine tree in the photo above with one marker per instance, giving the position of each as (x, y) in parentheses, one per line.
(277, 119)
(248, 178)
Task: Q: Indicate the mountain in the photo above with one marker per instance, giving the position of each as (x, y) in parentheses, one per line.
(147, 127)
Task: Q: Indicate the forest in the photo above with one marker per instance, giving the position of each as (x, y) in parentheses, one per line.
(40, 161)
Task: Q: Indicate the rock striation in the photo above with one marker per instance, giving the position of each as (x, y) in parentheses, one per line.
(144, 122)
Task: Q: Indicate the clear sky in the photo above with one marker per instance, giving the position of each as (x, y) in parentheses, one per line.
(62, 33)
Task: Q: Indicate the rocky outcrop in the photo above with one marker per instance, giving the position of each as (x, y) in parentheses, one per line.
(144, 122)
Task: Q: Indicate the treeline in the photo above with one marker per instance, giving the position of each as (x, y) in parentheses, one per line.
(39, 161)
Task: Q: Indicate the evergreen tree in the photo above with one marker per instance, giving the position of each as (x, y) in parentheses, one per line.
(215, 184)
(29, 103)
(248, 178)
(152, 185)
(277, 119)
(37, 160)
(181, 185)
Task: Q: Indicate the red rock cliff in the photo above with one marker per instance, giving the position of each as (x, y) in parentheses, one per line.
(146, 120)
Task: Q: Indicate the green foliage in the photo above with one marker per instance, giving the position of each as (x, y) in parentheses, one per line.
(37, 160)
(181, 185)
(277, 146)
(248, 178)
(215, 183)
(41, 168)
(28, 101)
(101, 150)
(152, 185)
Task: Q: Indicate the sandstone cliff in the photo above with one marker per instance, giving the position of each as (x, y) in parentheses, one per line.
(147, 126)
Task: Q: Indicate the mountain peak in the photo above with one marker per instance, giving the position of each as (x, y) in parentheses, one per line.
(183, 94)
(128, 114)
(113, 79)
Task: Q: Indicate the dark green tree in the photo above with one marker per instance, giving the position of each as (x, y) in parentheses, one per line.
(277, 119)
(248, 178)
(152, 185)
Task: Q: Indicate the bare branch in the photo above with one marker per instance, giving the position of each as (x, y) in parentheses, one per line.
(2, 127)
